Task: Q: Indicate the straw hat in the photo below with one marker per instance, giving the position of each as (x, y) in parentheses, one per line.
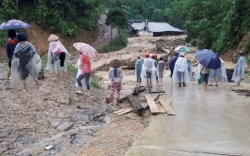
(115, 63)
(53, 37)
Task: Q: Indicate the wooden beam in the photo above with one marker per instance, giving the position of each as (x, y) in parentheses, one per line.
(153, 107)
(166, 105)
(136, 105)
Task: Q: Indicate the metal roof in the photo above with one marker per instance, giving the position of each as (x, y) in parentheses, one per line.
(156, 27)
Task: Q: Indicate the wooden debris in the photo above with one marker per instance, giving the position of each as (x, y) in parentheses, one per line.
(123, 111)
(108, 100)
(136, 105)
(153, 107)
(138, 90)
(121, 100)
(166, 105)
(157, 90)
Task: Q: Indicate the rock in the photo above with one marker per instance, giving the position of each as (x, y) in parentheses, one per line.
(63, 99)
(54, 123)
(49, 147)
(65, 126)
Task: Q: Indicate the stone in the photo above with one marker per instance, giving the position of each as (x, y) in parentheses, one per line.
(65, 126)
(54, 123)
(63, 99)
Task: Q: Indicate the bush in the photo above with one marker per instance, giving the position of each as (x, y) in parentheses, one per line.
(95, 80)
(116, 44)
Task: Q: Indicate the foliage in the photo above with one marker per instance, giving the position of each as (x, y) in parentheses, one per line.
(95, 81)
(72, 70)
(66, 17)
(117, 43)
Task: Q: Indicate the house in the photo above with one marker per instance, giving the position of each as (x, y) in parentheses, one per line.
(153, 28)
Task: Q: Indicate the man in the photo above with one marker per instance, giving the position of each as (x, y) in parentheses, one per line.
(148, 72)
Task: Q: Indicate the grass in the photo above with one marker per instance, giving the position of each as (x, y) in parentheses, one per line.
(95, 81)
(72, 70)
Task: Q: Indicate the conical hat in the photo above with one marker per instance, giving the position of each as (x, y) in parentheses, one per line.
(53, 37)
(115, 63)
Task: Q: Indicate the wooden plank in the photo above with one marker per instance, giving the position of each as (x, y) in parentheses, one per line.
(166, 106)
(122, 99)
(136, 105)
(122, 110)
(152, 106)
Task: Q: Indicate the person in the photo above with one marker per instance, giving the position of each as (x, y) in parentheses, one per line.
(190, 67)
(180, 74)
(160, 70)
(84, 72)
(148, 73)
(138, 67)
(57, 52)
(116, 76)
(10, 47)
(217, 75)
(172, 63)
(154, 58)
(204, 72)
(239, 70)
(25, 62)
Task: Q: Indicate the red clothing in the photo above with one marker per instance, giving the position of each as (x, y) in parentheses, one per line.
(85, 64)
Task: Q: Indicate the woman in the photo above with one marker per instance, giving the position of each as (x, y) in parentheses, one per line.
(10, 47)
(239, 70)
(218, 75)
(172, 63)
(204, 71)
(115, 75)
(84, 72)
(138, 67)
(180, 74)
(25, 62)
(57, 53)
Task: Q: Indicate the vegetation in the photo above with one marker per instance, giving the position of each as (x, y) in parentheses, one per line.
(218, 25)
(95, 81)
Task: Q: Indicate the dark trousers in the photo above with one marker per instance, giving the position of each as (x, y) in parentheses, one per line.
(82, 76)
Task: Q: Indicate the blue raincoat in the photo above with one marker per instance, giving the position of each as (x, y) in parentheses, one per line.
(138, 67)
(172, 63)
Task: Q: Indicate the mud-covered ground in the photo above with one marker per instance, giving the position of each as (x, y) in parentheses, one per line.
(57, 121)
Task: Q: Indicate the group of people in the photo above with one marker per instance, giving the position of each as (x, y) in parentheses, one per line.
(24, 61)
(150, 72)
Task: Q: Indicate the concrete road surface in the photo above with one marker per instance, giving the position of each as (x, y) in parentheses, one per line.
(212, 122)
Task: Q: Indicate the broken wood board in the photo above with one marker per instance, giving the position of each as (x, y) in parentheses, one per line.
(122, 110)
(127, 111)
(136, 105)
(157, 90)
(166, 105)
(152, 106)
(121, 100)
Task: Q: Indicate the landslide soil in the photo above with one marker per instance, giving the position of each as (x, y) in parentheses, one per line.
(69, 123)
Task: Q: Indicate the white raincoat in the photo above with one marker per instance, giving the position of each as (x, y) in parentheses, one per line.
(161, 68)
(220, 74)
(148, 65)
(26, 54)
(239, 70)
(181, 66)
(51, 56)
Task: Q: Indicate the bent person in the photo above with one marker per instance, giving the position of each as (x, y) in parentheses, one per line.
(57, 53)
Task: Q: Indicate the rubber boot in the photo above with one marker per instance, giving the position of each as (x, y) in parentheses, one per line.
(179, 85)
(140, 80)
(184, 85)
